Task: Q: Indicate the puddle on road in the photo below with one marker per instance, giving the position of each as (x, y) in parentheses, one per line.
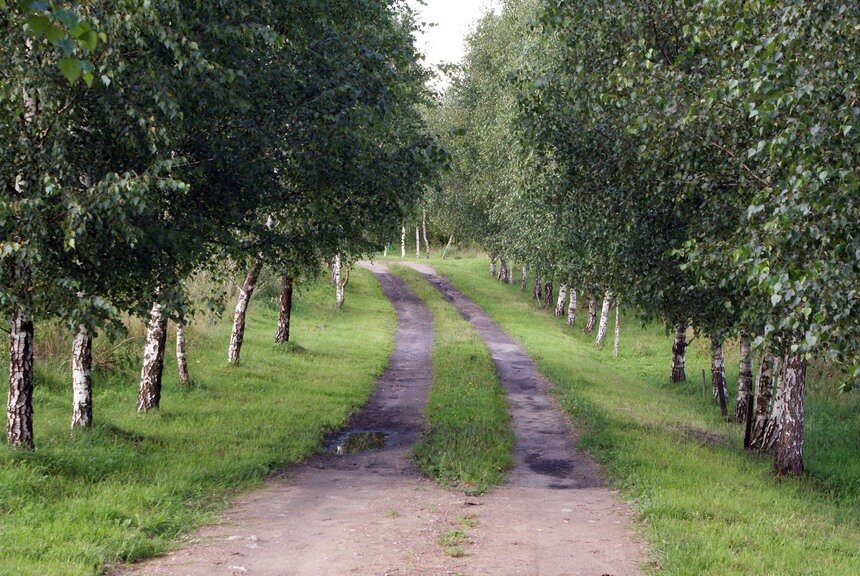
(359, 441)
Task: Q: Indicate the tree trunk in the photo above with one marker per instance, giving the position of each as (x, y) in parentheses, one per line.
(149, 396)
(285, 310)
(523, 279)
(385, 251)
(403, 242)
(19, 408)
(447, 246)
(718, 374)
(82, 378)
(763, 394)
(19, 405)
(424, 233)
(181, 355)
(604, 318)
(774, 420)
(789, 441)
(493, 271)
(339, 283)
(503, 270)
(617, 342)
(592, 315)
(571, 307)
(547, 295)
(562, 298)
(537, 292)
(679, 354)
(417, 242)
(234, 353)
(744, 379)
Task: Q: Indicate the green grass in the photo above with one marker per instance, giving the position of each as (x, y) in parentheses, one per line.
(130, 486)
(469, 441)
(703, 504)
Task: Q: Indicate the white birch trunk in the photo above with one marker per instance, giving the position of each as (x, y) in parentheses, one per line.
(181, 355)
(523, 283)
(447, 246)
(424, 233)
(385, 250)
(718, 375)
(617, 342)
(493, 271)
(149, 395)
(403, 242)
(562, 298)
(237, 336)
(592, 315)
(285, 310)
(679, 354)
(82, 378)
(547, 294)
(604, 318)
(571, 307)
(744, 379)
(417, 242)
(789, 441)
(337, 272)
(19, 404)
(771, 432)
(763, 394)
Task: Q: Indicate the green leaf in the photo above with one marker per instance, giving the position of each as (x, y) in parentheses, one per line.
(38, 24)
(89, 39)
(54, 34)
(67, 18)
(71, 69)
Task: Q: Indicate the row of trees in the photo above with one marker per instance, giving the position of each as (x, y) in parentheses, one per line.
(144, 142)
(694, 159)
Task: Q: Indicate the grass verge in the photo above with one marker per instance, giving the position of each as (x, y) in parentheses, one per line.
(704, 505)
(469, 441)
(127, 488)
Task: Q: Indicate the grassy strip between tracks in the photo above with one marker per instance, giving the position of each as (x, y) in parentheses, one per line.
(469, 440)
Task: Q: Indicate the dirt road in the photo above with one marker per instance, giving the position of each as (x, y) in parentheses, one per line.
(372, 514)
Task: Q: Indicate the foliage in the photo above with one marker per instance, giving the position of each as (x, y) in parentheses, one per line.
(697, 158)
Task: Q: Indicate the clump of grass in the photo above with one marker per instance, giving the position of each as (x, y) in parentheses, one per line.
(705, 507)
(468, 521)
(469, 441)
(130, 486)
(453, 542)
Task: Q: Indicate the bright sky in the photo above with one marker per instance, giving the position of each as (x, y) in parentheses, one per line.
(454, 19)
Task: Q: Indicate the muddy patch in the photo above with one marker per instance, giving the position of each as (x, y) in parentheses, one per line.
(356, 441)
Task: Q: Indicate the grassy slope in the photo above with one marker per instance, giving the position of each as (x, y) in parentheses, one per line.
(469, 443)
(704, 505)
(127, 488)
